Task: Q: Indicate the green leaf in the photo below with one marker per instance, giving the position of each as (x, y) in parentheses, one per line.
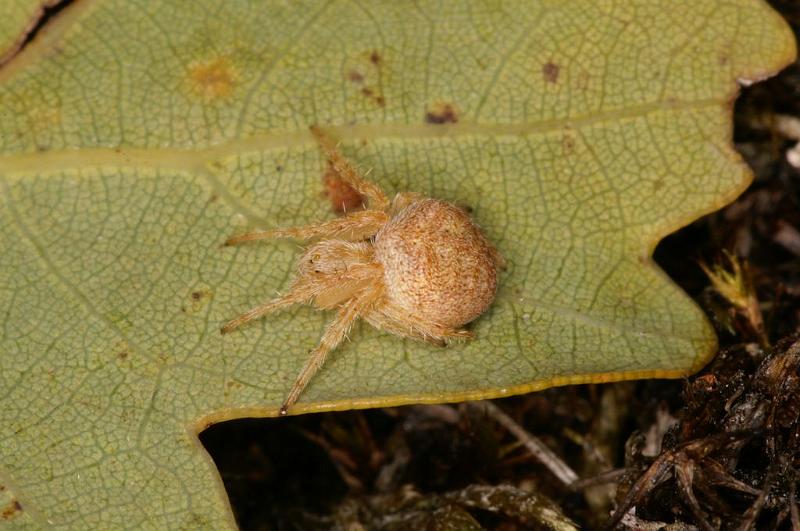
(18, 17)
(135, 137)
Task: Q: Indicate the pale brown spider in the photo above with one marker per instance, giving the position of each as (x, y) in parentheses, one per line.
(416, 267)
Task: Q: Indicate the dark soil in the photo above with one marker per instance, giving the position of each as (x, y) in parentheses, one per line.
(719, 450)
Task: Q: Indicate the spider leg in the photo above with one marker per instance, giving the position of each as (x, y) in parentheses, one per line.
(348, 173)
(337, 330)
(400, 323)
(300, 292)
(353, 227)
(403, 200)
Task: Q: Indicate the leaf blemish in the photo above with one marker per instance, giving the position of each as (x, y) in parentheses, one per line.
(12, 510)
(121, 350)
(198, 299)
(568, 143)
(378, 99)
(213, 79)
(355, 76)
(441, 113)
(550, 72)
(370, 80)
(368, 77)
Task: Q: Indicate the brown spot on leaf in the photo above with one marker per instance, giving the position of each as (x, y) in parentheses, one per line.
(355, 76)
(441, 113)
(199, 298)
(342, 196)
(568, 143)
(212, 79)
(121, 350)
(550, 72)
(376, 98)
(367, 75)
(12, 510)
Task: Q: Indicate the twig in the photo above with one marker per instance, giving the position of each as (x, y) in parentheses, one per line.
(793, 508)
(789, 127)
(750, 516)
(609, 476)
(788, 237)
(540, 451)
(631, 521)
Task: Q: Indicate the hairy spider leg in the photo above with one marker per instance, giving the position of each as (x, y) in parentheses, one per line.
(327, 291)
(349, 174)
(403, 200)
(399, 322)
(352, 227)
(299, 292)
(335, 333)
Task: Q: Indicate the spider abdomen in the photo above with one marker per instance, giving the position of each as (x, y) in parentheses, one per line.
(437, 263)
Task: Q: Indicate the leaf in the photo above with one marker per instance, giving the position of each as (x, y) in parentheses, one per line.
(18, 18)
(135, 137)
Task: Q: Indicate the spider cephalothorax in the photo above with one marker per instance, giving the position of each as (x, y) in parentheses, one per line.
(416, 267)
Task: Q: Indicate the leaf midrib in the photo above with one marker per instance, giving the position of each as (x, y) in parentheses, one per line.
(195, 159)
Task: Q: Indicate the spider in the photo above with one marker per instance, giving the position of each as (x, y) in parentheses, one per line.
(414, 266)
